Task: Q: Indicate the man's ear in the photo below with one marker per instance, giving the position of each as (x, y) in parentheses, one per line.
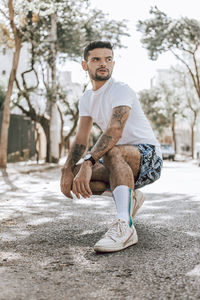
(84, 65)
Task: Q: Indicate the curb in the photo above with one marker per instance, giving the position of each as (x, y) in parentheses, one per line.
(27, 169)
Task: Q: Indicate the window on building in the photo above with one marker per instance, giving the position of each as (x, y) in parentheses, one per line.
(4, 51)
(4, 72)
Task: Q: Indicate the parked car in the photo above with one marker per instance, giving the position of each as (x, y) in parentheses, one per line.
(167, 151)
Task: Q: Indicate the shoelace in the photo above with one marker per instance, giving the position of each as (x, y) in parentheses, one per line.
(116, 229)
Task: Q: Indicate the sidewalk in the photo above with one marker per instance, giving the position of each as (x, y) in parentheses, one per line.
(26, 167)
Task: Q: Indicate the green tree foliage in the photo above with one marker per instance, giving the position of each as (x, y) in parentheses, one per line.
(181, 37)
(191, 108)
(171, 99)
(76, 24)
(154, 108)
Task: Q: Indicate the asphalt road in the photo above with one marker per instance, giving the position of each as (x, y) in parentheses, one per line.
(46, 241)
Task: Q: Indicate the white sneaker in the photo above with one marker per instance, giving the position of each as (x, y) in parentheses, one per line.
(118, 237)
(138, 201)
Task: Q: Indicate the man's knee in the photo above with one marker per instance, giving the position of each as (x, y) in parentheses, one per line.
(112, 155)
(98, 187)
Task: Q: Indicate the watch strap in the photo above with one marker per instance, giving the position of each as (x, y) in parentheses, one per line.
(90, 158)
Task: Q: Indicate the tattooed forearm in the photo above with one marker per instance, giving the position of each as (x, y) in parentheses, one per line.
(75, 154)
(103, 143)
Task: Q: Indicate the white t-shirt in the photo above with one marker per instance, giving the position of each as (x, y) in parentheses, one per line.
(99, 104)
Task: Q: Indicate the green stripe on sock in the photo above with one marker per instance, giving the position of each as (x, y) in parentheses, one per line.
(130, 197)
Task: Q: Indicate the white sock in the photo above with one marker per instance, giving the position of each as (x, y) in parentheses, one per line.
(122, 195)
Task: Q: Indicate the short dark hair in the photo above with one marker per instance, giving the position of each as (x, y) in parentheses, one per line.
(96, 44)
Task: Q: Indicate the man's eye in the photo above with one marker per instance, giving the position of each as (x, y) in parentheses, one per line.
(109, 59)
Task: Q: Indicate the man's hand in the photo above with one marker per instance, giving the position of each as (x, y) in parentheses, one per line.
(82, 180)
(66, 182)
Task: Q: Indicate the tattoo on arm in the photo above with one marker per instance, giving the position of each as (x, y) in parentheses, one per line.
(120, 114)
(110, 137)
(75, 154)
(103, 143)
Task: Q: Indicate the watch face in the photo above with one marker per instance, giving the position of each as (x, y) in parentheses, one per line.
(87, 156)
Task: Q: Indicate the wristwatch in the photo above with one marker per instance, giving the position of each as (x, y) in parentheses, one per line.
(89, 157)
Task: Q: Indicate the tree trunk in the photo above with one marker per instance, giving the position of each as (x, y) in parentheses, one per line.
(192, 139)
(61, 145)
(54, 126)
(195, 113)
(46, 126)
(37, 142)
(174, 132)
(6, 111)
(71, 132)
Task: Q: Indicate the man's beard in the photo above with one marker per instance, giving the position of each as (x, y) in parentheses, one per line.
(101, 78)
(97, 77)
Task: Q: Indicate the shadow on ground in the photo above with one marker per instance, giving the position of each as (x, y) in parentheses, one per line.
(47, 252)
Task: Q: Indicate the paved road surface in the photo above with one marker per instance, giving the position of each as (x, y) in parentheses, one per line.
(46, 245)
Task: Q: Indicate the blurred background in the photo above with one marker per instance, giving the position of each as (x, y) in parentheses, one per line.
(156, 45)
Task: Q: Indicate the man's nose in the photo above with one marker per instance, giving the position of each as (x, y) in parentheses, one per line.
(103, 62)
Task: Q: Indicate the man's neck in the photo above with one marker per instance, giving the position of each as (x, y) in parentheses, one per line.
(98, 84)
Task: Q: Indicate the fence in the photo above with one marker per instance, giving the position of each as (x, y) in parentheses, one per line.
(21, 138)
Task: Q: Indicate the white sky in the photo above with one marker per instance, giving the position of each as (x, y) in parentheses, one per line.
(132, 64)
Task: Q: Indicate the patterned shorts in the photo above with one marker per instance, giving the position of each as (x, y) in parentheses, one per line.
(150, 165)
